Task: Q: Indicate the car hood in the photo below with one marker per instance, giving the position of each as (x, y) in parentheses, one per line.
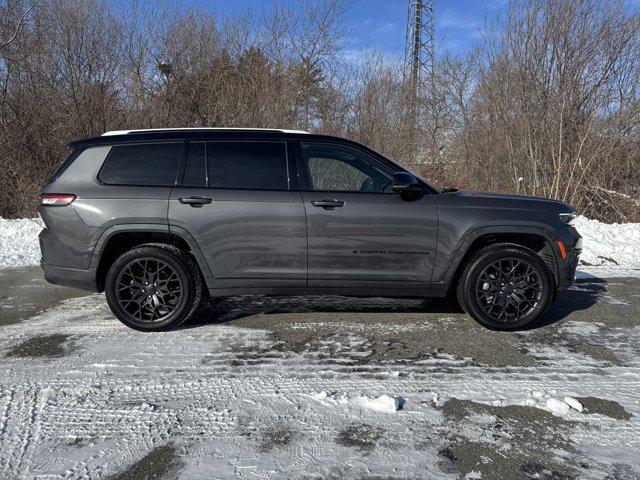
(515, 199)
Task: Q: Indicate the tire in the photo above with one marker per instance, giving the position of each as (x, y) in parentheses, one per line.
(505, 287)
(148, 301)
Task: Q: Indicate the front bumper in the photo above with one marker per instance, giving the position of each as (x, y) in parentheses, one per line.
(70, 277)
(567, 266)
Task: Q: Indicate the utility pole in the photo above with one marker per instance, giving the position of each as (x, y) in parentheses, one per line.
(419, 75)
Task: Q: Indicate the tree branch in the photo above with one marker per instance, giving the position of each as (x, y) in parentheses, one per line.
(19, 26)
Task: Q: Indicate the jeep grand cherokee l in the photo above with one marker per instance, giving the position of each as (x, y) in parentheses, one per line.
(160, 219)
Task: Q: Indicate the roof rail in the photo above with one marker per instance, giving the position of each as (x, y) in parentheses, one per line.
(142, 130)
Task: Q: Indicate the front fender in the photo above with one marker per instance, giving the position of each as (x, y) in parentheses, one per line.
(449, 261)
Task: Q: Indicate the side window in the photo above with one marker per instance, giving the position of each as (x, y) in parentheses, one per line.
(343, 169)
(195, 172)
(153, 164)
(250, 165)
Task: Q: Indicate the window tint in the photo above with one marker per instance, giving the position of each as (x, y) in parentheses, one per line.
(147, 164)
(195, 174)
(338, 168)
(252, 165)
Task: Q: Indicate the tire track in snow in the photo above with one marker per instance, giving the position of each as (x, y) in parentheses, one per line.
(22, 414)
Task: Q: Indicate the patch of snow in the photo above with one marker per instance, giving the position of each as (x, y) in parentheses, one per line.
(581, 328)
(573, 403)
(599, 292)
(557, 407)
(438, 400)
(19, 246)
(328, 397)
(473, 475)
(384, 403)
(548, 401)
(609, 245)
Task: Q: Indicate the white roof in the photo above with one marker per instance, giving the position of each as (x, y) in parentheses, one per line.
(124, 132)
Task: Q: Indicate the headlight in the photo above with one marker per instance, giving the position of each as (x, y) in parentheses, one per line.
(567, 218)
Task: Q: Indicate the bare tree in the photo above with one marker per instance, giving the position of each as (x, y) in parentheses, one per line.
(548, 103)
(555, 109)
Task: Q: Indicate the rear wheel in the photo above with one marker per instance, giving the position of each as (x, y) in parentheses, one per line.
(153, 287)
(505, 287)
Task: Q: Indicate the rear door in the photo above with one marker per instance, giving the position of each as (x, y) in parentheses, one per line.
(237, 201)
(360, 232)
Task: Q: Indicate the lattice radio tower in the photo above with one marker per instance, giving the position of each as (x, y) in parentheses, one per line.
(419, 68)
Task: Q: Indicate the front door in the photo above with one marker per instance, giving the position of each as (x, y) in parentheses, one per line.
(360, 232)
(236, 201)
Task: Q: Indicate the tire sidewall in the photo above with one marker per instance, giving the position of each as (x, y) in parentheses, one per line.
(179, 315)
(471, 302)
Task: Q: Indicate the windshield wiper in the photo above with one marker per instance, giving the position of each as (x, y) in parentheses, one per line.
(448, 190)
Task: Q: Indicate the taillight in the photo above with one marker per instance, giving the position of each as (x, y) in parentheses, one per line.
(56, 199)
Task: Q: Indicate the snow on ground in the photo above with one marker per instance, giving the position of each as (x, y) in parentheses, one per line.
(239, 405)
(610, 250)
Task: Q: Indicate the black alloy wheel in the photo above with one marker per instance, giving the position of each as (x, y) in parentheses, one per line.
(508, 290)
(505, 287)
(153, 287)
(148, 289)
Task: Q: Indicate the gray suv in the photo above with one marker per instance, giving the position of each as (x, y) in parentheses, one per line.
(162, 219)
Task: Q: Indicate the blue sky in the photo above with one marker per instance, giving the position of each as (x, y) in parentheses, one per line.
(380, 24)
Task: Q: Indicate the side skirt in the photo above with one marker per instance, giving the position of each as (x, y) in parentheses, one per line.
(410, 292)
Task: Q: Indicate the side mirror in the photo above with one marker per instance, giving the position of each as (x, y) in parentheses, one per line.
(404, 182)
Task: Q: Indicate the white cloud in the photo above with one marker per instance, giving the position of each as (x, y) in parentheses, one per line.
(447, 19)
(385, 27)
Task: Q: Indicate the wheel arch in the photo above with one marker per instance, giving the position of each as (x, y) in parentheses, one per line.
(537, 239)
(120, 238)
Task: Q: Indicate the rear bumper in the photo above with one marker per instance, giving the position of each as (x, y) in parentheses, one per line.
(70, 277)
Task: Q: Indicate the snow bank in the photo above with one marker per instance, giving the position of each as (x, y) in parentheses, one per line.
(611, 245)
(19, 245)
(609, 250)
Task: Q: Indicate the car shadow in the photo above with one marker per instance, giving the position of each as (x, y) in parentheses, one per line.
(228, 309)
(585, 293)
(582, 296)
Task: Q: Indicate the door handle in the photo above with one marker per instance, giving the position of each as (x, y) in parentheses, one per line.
(195, 201)
(327, 204)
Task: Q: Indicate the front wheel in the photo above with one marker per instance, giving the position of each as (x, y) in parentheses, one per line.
(153, 287)
(505, 287)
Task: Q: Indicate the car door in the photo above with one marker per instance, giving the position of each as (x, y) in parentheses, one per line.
(237, 202)
(360, 232)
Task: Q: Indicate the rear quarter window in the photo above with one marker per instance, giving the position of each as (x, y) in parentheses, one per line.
(64, 165)
(152, 164)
